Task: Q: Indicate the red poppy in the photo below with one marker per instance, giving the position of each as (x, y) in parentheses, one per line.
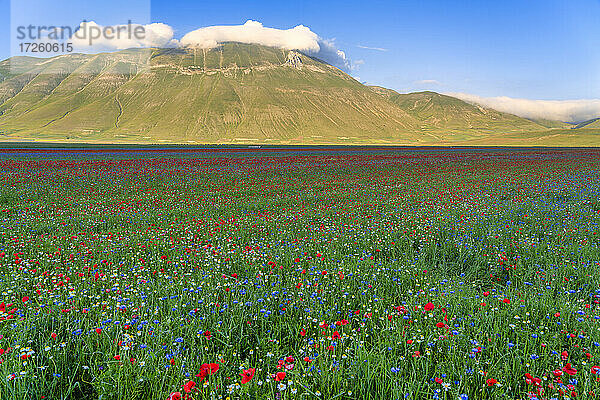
(280, 376)
(302, 332)
(506, 301)
(335, 335)
(247, 375)
(98, 330)
(440, 324)
(175, 396)
(207, 369)
(429, 306)
(188, 387)
(25, 299)
(595, 370)
(569, 369)
(491, 382)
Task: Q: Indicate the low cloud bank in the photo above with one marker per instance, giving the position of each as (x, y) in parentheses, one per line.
(561, 110)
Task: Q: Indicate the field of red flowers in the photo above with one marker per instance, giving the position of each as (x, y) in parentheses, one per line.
(456, 274)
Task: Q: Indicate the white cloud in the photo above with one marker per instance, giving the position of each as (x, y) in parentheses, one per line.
(561, 110)
(91, 37)
(253, 32)
(298, 38)
(329, 53)
(371, 48)
(428, 82)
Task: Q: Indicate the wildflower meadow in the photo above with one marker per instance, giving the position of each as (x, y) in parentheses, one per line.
(447, 274)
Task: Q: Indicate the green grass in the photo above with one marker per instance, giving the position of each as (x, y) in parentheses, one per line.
(173, 247)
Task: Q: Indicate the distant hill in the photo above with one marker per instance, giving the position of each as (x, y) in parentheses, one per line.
(589, 124)
(236, 94)
(552, 124)
(451, 116)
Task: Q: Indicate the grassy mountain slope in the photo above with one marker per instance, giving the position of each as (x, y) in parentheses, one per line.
(237, 94)
(552, 124)
(457, 118)
(589, 124)
(233, 94)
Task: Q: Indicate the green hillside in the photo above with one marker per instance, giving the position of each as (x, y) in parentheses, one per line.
(552, 124)
(237, 94)
(233, 94)
(455, 118)
(594, 125)
(551, 137)
(589, 124)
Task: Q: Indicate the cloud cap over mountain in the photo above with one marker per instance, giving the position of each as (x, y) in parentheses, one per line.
(300, 38)
(253, 32)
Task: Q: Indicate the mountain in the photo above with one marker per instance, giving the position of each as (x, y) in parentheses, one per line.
(238, 94)
(552, 124)
(455, 118)
(235, 93)
(589, 124)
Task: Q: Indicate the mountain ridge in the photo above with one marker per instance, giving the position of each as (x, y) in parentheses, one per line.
(591, 123)
(233, 94)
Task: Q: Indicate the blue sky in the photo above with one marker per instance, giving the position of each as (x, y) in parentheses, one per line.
(524, 49)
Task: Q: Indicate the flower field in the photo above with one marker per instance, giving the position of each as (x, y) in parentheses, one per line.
(407, 275)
